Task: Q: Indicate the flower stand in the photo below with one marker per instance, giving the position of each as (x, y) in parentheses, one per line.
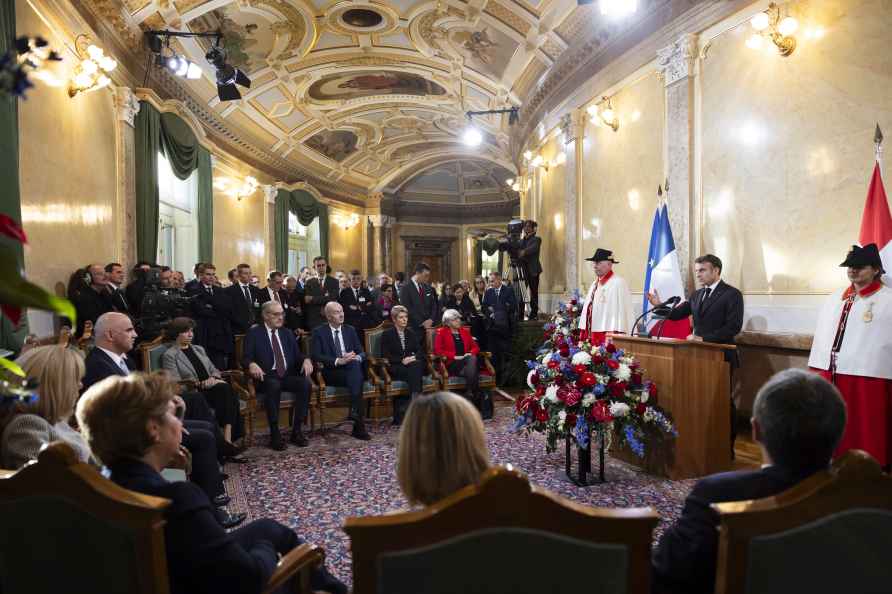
(584, 462)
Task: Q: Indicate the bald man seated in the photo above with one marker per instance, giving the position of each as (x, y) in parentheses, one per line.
(336, 346)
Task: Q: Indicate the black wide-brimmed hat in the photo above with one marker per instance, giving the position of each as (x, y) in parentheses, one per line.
(858, 257)
(602, 254)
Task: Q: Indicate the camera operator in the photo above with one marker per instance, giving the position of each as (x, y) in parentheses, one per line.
(532, 267)
(514, 244)
(160, 301)
(90, 296)
(137, 286)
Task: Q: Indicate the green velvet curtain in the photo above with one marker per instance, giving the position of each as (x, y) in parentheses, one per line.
(168, 133)
(306, 208)
(490, 246)
(10, 199)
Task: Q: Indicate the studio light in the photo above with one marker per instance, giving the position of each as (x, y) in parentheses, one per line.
(227, 75)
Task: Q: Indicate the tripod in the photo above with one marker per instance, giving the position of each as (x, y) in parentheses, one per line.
(518, 283)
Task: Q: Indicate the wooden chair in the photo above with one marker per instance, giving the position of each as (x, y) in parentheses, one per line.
(65, 338)
(151, 353)
(828, 534)
(457, 383)
(60, 515)
(336, 396)
(503, 536)
(389, 387)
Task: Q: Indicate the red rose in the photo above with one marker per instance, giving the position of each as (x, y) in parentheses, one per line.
(636, 379)
(540, 390)
(597, 359)
(565, 351)
(571, 420)
(534, 379)
(588, 379)
(600, 412)
(640, 408)
(573, 302)
(560, 380)
(553, 364)
(562, 393)
(611, 348)
(635, 365)
(579, 385)
(617, 389)
(542, 415)
(652, 390)
(572, 398)
(579, 369)
(612, 364)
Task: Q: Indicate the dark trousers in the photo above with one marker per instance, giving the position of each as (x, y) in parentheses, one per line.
(533, 283)
(348, 376)
(272, 387)
(411, 374)
(226, 407)
(201, 444)
(499, 346)
(470, 370)
(284, 539)
(197, 409)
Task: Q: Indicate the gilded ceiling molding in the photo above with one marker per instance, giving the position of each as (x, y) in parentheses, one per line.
(126, 104)
(395, 180)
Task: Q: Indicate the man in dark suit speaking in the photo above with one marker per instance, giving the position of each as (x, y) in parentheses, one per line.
(337, 347)
(273, 358)
(798, 420)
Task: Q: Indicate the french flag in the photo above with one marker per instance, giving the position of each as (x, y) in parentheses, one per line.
(663, 274)
(876, 222)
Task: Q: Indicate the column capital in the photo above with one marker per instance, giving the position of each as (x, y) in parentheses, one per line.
(270, 192)
(126, 104)
(380, 220)
(677, 61)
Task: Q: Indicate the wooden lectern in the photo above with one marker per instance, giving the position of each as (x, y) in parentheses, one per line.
(693, 385)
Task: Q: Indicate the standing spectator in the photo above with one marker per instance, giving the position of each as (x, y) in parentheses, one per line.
(212, 312)
(385, 302)
(500, 305)
(274, 290)
(478, 319)
(357, 304)
(195, 281)
(445, 295)
(294, 304)
(244, 300)
(460, 301)
(419, 298)
(399, 279)
(114, 276)
(320, 290)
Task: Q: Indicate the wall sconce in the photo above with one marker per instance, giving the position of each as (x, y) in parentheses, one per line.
(528, 155)
(344, 220)
(604, 115)
(234, 189)
(780, 31)
(537, 161)
(91, 73)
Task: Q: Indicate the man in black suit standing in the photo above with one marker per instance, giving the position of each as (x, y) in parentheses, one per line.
(212, 310)
(273, 358)
(500, 307)
(274, 289)
(532, 267)
(419, 298)
(245, 300)
(114, 337)
(114, 280)
(798, 420)
(337, 347)
(717, 309)
(93, 299)
(357, 303)
(319, 291)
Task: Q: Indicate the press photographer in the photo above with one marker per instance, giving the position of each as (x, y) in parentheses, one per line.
(160, 302)
(522, 246)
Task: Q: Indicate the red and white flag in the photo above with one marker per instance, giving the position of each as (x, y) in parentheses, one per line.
(876, 223)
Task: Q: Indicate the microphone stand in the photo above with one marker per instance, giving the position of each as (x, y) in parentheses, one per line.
(635, 325)
(666, 319)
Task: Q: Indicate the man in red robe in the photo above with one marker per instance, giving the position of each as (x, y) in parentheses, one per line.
(852, 348)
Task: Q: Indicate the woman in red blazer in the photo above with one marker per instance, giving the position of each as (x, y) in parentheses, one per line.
(454, 343)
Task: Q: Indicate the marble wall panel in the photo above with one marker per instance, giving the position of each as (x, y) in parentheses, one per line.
(66, 169)
(620, 174)
(345, 247)
(787, 145)
(239, 235)
(551, 216)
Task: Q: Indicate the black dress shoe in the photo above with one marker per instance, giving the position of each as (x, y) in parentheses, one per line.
(224, 476)
(359, 432)
(236, 459)
(230, 450)
(276, 443)
(221, 500)
(299, 439)
(228, 520)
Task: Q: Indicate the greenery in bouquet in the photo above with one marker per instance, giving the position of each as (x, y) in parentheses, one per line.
(579, 389)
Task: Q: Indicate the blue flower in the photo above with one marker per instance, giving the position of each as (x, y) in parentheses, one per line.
(632, 440)
(599, 389)
(532, 365)
(519, 423)
(581, 432)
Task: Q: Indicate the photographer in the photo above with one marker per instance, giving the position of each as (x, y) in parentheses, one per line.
(532, 267)
(514, 244)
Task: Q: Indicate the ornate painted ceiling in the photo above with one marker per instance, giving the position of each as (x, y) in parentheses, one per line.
(361, 96)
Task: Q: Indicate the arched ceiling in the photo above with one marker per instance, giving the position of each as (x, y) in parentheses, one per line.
(363, 95)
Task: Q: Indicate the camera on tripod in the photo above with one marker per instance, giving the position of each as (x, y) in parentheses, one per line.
(512, 241)
(159, 305)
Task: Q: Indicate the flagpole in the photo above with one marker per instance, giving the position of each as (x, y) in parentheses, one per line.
(878, 151)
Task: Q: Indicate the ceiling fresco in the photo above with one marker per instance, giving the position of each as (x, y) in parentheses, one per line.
(359, 97)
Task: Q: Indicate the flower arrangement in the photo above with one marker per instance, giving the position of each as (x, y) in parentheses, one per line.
(27, 56)
(580, 389)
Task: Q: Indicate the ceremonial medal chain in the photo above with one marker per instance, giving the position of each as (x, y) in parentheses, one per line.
(868, 315)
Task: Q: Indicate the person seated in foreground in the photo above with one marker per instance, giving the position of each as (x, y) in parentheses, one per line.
(27, 427)
(798, 420)
(336, 346)
(185, 361)
(402, 349)
(132, 428)
(442, 448)
(454, 343)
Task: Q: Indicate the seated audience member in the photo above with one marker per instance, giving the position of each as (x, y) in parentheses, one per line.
(273, 358)
(454, 343)
(114, 336)
(445, 290)
(187, 362)
(460, 301)
(131, 426)
(337, 347)
(402, 349)
(798, 420)
(28, 427)
(385, 302)
(357, 304)
(442, 448)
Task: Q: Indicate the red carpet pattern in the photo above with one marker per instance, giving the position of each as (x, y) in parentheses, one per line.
(314, 489)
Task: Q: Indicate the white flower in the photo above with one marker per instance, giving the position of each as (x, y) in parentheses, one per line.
(551, 394)
(648, 415)
(565, 331)
(644, 396)
(619, 409)
(588, 399)
(562, 416)
(581, 358)
(558, 320)
(623, 372)
(530, 379)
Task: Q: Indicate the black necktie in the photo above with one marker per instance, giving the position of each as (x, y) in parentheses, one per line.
(247, 294)
(210, 291)
(337, 341)
(705, 297)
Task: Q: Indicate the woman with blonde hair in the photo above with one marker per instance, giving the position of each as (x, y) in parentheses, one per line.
(442, 448)
(58, 371)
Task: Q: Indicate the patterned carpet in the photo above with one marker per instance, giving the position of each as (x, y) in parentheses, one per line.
(314, 489)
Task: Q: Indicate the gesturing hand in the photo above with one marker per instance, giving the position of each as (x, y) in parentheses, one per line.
(654, 297)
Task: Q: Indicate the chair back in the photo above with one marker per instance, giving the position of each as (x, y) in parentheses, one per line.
(373, 340)
(239, 351)
(67, 528)
(429, 336)
(468, 543)
(151, 353)
(829, 533)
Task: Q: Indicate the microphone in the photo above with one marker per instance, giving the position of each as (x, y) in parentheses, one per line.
(674, 301)
(671, 301)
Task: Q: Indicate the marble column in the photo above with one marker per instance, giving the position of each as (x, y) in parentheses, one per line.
(573, 129)
(126, 107)
(270, 192)
(378, 233)
(387, 231)
(678, 65)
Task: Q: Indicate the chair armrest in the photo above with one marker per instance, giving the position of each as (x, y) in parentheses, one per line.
(374, 376)
(320, 381)
(299, 561)
(487, 362)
